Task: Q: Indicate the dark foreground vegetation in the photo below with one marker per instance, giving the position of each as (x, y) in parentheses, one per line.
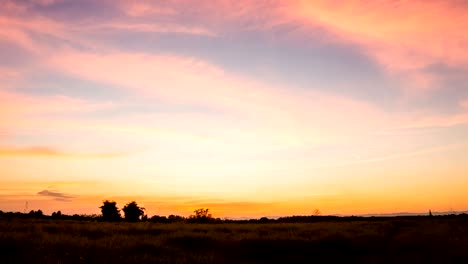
(437, 239)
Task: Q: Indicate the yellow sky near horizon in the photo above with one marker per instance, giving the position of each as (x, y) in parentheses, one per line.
(327, 189)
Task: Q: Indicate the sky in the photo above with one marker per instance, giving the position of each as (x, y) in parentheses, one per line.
(249, 108)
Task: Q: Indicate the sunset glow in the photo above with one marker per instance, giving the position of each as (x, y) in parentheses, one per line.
(249, 108)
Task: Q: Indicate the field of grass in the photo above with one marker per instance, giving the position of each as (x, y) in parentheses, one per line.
(406, 240)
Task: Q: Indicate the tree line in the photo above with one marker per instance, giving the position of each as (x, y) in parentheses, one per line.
(134, 213)
(131, 212)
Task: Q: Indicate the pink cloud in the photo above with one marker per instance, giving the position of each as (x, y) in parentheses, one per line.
(403, 37)
(400, 35)
(13, 34)
(304, 117)
(142, 8)
(24, 32)
(159, 28)
(34, 34)
(12, 6)
(218, 17)
(23, 103)
(46, 2)
(8, 74)
(194, 82)
(20, 111)
(464, 104)
(418, 121)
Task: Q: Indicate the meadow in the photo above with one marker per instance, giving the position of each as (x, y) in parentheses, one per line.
(392, 240)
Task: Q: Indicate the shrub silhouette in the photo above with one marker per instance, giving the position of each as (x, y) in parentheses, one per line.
(133, 212)
(175, 218)
(37, 213)
(201, 216)
(202, 213)
(158, 219)
(110, 212)
(56, 215)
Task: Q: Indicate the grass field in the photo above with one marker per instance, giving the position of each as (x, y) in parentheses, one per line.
(406, 240)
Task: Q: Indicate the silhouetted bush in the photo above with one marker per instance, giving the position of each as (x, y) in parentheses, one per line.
(76, 217)
(36, 214)
(133, 212)
(110, 212)
(159, 219)
(57, 215)
(175, 218)
(201, 216)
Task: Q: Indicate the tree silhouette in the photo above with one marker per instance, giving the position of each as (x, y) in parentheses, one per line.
(201, 216)
(37, 213)
(202, 213)
(56, 215)
(110, 212)
(133, 212)
(316, 212)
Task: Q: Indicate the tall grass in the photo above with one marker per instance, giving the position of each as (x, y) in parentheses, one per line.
(400, 241)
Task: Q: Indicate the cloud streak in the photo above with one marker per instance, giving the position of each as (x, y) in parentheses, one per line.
(158, 28)
(52, 152)
(58, 196)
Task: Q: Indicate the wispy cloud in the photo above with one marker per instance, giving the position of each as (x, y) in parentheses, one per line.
(24, 33)
(58, 196)
(23, 111)
(8, 73)
(48, 103)
(52, 152)
(398, 36)
(42, 35)
(179, 80)
(158, 28)
(396, 156)
(143, 8)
